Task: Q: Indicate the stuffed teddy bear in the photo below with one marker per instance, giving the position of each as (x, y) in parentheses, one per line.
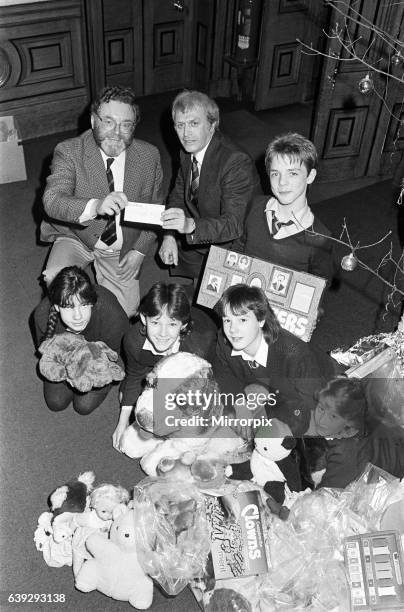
(273, 466)
(179, 410)
(82, 364)
(114, 569)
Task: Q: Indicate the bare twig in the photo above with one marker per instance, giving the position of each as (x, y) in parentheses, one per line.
(398, 265)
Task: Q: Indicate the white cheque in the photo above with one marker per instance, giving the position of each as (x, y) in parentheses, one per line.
(141, 212)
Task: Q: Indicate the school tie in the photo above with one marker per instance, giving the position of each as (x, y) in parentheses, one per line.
(109, 234)
(276, 224)
(194, 181)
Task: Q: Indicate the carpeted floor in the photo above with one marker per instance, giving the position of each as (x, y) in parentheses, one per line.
(41, 450)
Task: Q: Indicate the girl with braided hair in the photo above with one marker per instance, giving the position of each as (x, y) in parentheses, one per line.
(75, 305)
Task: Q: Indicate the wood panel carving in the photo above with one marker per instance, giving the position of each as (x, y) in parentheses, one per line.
(345, 131)
(291, 6)
(201, 44)
(286, 65)
(45, 58)
(5, 67)
(168, 43)
(395, 137)
(42, 65)
(119, 51)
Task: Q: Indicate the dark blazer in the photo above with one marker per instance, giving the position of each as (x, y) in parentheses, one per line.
(302, 251)
(227, 182)
(78, 174)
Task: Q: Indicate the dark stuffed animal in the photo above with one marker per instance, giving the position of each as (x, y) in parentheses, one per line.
(274, 466)
(82, 364)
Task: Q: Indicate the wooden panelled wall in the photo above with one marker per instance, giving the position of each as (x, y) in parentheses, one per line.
(55, 55)
(43, 71)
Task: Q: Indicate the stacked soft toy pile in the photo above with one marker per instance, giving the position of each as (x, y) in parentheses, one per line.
(164, 533)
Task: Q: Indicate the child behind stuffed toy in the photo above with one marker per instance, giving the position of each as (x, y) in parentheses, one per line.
(167, 325)
(77, 306)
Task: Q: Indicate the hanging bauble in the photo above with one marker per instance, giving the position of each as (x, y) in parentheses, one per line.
(366, 85)
(396, 59)
(349, 262)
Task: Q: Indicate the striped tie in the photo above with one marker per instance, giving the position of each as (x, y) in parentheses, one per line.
(194, 181)
(276, 224)
(109, 234)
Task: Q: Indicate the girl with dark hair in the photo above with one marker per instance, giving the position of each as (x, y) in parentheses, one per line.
(255, 357)
(75, 305)
(343, 413)
(167, 325)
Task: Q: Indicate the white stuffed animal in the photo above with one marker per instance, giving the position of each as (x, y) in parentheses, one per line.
(176, 410)
(56, 552)
(114, 568)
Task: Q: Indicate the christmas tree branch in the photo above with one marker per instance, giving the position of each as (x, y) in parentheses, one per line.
(387, 258)
(340, 35)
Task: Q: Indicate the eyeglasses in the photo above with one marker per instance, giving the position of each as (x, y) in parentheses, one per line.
(111, 124)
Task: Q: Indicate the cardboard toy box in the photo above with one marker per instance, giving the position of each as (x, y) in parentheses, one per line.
(294, 296)
(374, 564)
(239, 557)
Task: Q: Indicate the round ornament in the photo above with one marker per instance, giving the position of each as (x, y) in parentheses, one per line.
(396, 59)
(349, 262)
(366, 85)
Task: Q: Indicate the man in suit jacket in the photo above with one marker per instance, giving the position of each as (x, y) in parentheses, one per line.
(208, 209)
(93, 178)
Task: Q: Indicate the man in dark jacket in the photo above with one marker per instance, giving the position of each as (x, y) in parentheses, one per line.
(214, 185)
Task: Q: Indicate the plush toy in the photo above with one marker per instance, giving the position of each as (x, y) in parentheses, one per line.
(273, 466)
(114, 569)
(82, 364)
(55, 554)
(53, 535)
(180, 409)
(105, 500)
(204, 473)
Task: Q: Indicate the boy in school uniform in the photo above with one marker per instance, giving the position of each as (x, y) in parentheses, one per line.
(283, 229)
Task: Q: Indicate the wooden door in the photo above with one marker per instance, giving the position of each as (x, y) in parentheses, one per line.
(151, 45)
(285, 75)
(177, 44)
(353, 132)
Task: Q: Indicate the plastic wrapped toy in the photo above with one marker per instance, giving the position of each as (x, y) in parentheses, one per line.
(172, 531)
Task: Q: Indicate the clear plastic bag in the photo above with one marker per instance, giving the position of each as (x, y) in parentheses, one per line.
(385, 392)
(172, 532)
(369, 495)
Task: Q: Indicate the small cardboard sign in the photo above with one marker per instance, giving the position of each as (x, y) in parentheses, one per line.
(294, 296)
(12, 161)
(236, 534)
